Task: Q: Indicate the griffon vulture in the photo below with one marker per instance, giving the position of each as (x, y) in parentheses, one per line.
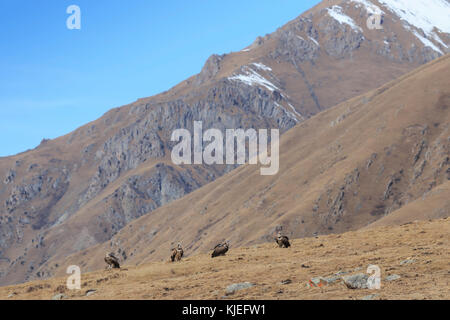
(220, 249)
(177, 253)
(282, 241)
(112, 261)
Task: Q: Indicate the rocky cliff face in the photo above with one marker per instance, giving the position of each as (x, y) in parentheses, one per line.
(81, 189)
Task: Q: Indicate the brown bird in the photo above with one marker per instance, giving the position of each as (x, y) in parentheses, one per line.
(112, 261)
(177, 253)
(282, 241)
(220, 249)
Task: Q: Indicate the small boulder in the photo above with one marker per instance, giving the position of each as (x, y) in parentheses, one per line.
(59, 296)
(231, 289)
(357, 281)
(369, 297)
(90, 292)
(407, 261)
(332, 279)
(317, 282)
(392, 277)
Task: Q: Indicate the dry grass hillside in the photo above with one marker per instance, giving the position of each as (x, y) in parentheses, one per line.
(417, 252)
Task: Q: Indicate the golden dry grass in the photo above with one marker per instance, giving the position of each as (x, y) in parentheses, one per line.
(266, 266)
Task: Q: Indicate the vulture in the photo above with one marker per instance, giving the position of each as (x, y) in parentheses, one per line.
(220, 249)
(282, 241)
(177, 253)
(112, 261)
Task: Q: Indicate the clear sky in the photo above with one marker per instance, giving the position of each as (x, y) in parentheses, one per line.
(53, 80)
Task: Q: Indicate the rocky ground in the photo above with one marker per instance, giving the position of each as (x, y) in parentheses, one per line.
(413, 259)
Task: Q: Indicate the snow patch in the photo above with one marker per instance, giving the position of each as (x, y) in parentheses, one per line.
(290, 114)
(262, 66)
(336, 13)
(422, 14)
(427, 42)
(425, 15)
(437, 39)
(251, 78)
(314, 40)
(295, 111)
(369, 6)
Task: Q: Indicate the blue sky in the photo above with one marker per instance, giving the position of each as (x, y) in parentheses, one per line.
(53, 80)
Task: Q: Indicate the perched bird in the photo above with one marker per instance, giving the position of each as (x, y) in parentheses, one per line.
(177, 253)
(282, 241)
(220, 249)
(112, 261)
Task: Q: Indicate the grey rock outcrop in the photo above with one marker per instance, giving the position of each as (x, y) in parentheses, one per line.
(233, 288)
(357, 281)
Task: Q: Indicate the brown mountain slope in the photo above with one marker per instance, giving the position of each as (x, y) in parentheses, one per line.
(432, 205)
(340, 170)
(79, 190)
(424, 244)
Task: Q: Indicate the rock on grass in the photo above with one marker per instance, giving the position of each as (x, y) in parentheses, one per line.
(357, 281)
(231, 289)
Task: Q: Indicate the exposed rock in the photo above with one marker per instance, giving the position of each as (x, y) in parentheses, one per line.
(291, 46)
(407, 261)
(392, 277)
(90, 292)
(231, 289)
(210, 69)
(317, 282)
(333, 279)
(340, 40)
(369, 297)
(59, 296)
(10, 176)
(357, 281)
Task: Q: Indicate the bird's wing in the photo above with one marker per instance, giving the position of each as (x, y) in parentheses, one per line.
(113, 256)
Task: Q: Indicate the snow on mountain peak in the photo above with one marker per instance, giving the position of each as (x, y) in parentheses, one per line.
(417, 15)
(251, 78)
(337, 13)
(369, 6)
(422, 14)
